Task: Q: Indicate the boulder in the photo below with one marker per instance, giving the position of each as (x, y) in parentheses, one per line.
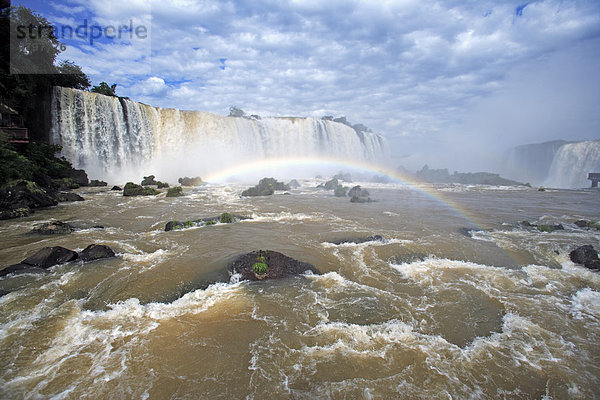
(24, 194)
(265, 187)
(116, 188)
(96, 252)
(195, 181)
(97, 183)
(20, 269)
(358, 191)
(267, 264)
(3, 292)
(50, 256)
(53, 228)
(586, 256)
(340, 191)
(549, 228)
(65, 184)
(18, 213)
(175, 191)
(329, 185)
(68, 196)
(77, 175)
(293, 184)
(225, 218)
(372, 238)
(149, 180)
(162, 185)
(588, 224)
(357, 199)
(131, 189)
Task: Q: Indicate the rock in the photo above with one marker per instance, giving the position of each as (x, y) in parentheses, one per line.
(356, 199)
(131, 189)
(372, 238)
(549, 228)
(329, 185)
(65, 184)
(225, 218)
(149, 180)
(586, 256)
(20, 269)
(23, 195)
(277, 266)
(588, 224)
(293, 184)
(77, 175)
(3, 292)
(541, 189)
(358, 191)
(18, 213)
(582, 223)
(340, 191)
(53, 228)
(116, 188)
(50, 256)
(162, 185)
(175, 191)
(96, 252)
(195, 181)
(97, 183)
(265, 187)
(67, 196)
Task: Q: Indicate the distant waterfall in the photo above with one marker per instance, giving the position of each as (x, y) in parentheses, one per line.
(112, 137)
(572, 163)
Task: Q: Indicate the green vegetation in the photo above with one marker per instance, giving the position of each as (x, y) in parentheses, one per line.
(131, 189)
(105, 89)
(175, 191)
(260, 266)
(340, 191)
(226, 218)
(210, 222)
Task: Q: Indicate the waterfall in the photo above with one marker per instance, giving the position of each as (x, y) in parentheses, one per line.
(117, 138)
(572, 163)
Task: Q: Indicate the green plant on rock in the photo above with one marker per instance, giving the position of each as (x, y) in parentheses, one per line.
(226, 218)
(211, 222)
(260, 266)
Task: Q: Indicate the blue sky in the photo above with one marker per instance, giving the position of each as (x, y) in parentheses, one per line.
(452, 83)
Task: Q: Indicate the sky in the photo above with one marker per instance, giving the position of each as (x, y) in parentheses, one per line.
(449, 83)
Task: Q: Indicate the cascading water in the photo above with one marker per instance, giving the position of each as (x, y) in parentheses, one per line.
(115, 138)
(572, 163)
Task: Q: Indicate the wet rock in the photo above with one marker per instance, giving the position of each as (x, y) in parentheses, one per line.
(195, 181)
(68, 197)
(294, 184)
(265, 187)
(24, 195)
(340, 191)
(18, 213)
(3, 292)
(53, 228)
(50, 256)
(116, 188)
(358, 240)
(97, 183)
(582, 223)
(20, 269)
(65, 184)
(149, 180)
(358, 191)
(468, 232)
(586, 256)
(358, 199)
(271, 264)
(225, 218)
(77, 175)
(549, 228)
(162, 185)
(96, 252)
(175, 191)
(131, 189)
(329, 185)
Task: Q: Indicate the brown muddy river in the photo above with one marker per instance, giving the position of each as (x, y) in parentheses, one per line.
(453, 304)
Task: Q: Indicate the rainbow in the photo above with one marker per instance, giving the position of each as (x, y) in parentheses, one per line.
(274, 164)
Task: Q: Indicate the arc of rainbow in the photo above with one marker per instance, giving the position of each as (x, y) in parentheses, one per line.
(270, 163)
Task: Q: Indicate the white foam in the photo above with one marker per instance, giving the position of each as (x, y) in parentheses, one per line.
(586, 304)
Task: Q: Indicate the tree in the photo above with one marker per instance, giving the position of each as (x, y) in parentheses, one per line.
(103, 88)
(236, 112)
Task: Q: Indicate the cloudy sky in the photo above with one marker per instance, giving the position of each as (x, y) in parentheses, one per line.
(451, 83)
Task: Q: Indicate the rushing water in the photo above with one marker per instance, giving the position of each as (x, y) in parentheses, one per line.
(442, 309)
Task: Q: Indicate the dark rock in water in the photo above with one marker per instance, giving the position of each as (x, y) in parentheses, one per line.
(287, 194)
(18, 213)
(53, 228)
(265, 187)
(329, 185)
(20, 269)
(293, 184)
(3, 292)
(586, 256)
(225, 218)
(582, 223)
(116, 188)
(358, 191)
(67, 197)
(96, 252)
(50, 256)
(195, 181)
(24, 195)
(65, 184)
(162, 185)
(357, 199)
(270, 265)
(175, 191)
(549, 228)
(527, 224)
(97, 183)
(77, 175)
(372, 238)
(131, 189)
(149, 180)
(340, 191)
(468, 232)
